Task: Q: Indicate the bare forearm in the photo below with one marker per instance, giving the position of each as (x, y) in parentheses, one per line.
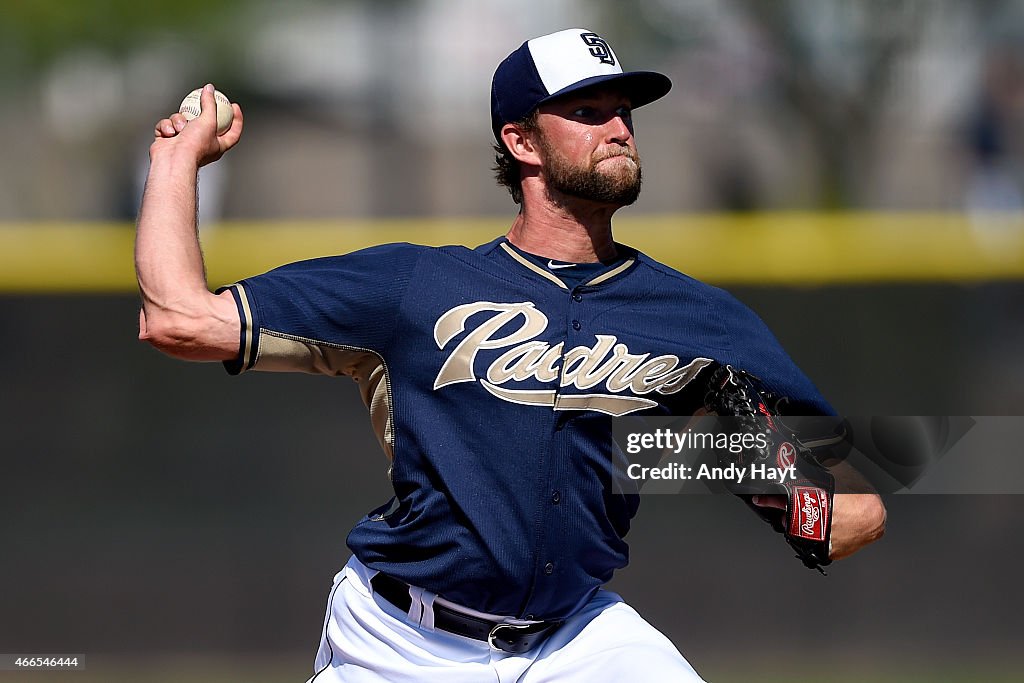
(168, 259)
(179, 314)
(858, 514)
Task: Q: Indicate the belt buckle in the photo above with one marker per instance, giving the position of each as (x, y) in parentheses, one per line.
(494, 633)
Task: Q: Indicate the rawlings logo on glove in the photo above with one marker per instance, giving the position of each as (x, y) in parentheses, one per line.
(807, 519)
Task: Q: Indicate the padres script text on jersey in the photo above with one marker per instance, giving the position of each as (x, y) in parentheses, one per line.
(582, 367)
(500, 377)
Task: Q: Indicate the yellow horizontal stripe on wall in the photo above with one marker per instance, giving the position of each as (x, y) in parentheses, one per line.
(794, 249)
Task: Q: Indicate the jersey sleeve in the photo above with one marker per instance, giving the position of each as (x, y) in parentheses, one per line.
(306, 316)
(753, 347)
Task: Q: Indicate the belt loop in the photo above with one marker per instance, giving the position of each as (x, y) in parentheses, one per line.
(427, 618)
(421, 608)
(415, 606)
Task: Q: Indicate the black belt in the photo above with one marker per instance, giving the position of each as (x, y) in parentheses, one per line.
(512, 638)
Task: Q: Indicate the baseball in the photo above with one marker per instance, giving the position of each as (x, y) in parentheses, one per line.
(190, 109)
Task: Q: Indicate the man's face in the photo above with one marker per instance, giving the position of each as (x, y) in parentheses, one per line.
(587, 147)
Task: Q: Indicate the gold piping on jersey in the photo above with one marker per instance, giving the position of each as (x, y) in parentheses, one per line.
(611, 273)
(533, 266)
(246, 324)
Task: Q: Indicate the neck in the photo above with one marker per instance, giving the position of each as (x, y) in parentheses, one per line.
(565, 229)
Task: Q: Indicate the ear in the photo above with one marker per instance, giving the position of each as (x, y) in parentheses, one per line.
(521, 144)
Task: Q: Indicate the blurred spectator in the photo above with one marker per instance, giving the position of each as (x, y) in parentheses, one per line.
(995, 180)
(994, 191)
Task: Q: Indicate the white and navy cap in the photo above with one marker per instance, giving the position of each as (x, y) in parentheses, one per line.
(560, 63)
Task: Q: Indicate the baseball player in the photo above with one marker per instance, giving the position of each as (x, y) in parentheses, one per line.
(491, 376)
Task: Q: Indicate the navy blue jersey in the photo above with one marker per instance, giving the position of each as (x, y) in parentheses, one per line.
(491, 385)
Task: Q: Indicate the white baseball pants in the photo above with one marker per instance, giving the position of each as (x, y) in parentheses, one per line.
(368, 640)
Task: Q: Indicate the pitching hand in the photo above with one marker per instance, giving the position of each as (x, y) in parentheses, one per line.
(197, 138)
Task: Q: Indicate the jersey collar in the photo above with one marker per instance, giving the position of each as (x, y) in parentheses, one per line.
(611, 273)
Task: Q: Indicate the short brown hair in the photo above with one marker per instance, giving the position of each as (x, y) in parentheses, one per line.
(506, 166)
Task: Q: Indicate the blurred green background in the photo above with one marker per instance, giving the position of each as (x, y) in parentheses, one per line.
(791, 104)
(850, 169)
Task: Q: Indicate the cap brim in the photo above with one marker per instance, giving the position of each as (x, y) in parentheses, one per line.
(641, 87)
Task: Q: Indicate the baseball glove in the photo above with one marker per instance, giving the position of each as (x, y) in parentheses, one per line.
(806, 523)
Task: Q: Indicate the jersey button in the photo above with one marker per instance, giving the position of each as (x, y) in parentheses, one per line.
(549, 568)
(576, 325)
(577, 297)
(556, 497)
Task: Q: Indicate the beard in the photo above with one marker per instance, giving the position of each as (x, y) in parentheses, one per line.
(616, 183)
